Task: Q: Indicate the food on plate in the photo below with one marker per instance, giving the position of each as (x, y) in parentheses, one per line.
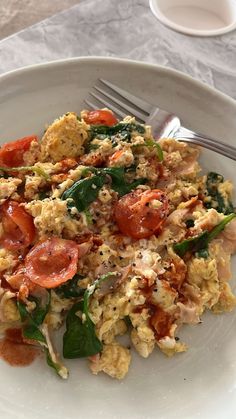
(106, 231)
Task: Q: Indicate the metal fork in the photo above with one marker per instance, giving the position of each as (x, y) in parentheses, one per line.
(164, 124)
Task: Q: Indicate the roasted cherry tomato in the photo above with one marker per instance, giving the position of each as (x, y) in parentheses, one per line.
(100, 117)
(140, 214)
(19, 279)
(18, 226)
(114, 158)
(52, 262)
(11, 154)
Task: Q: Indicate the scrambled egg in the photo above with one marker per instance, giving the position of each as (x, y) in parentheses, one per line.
(51, 218)
(7, 260)
(8, 187)
(64, 138)
(154, 290)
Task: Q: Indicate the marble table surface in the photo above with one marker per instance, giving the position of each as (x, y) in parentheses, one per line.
(16, 15)
(123, 28)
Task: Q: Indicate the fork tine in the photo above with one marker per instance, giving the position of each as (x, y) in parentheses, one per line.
(111, 107)
(132, 111)
(134, 100)
(90, 105)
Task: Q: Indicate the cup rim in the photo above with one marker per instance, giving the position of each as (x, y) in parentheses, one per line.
(188, 30)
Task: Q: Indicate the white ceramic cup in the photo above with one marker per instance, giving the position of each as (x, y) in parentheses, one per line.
(196, 17)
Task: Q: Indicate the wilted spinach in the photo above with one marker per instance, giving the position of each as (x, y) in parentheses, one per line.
(123, 130)
(71, 289)
(119, 183)
(34, 319)
(32, 329)
(38, 170)
(85, 191)
(200, 243)
(154, 144)
(80, 338)
(214, 198)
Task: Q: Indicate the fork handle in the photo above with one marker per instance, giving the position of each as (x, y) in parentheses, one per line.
(186, 135)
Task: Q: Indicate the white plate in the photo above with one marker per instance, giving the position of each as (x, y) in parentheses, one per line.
(198, 384)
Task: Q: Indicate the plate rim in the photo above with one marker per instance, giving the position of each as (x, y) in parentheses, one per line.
(103, 59)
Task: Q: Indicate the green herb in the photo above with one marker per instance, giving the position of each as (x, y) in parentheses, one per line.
(80, 338)
(220, 227)
(91, 147)
(127, 321)
(193, 244)
(71, 288)
(4, 175)
(33, 320)
(85, 191)
(38, 170)
(214, 199)
(203, 253)
(122, 129)
(58, 367)
(33, 329)
(119, 183)
(88, 216)
(42, 195)
(154, 144)
(200, 243)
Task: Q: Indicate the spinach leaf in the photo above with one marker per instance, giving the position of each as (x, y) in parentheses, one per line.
(124, 130)
(220, 227)
(88, 216)
(42, 195)
(4, 175)
(200, 243)
(119, 183)
(33, 320)
(128, 321)
(71, 288)
(38, 170)
(193, 244)
(154, 144)
(33, 329)
(80, 339)
(84, 192)
(91, 147)
(203, 253)
(214, 199)
(58, 367)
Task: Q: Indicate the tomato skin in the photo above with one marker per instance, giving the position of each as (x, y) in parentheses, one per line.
(100, 117)
(19, 279)
(52, 262)
(135, 215)
(12, 153)
(115, 157)
(18, 226)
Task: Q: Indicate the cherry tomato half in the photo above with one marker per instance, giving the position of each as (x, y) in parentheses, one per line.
(18, 226)
(100, 117)
(19, 279)
(140, 214)
(52, 262)
(11, 154)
